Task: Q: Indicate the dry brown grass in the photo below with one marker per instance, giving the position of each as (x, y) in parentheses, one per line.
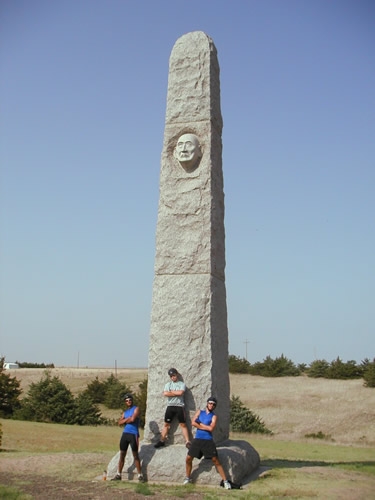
(295, 406)
(343, 410)
(77, 379)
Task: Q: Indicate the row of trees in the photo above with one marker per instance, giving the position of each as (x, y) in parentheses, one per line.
(27, 364)
(51, 401)
(284, 367)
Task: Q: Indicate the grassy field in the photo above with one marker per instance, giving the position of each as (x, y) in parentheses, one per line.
(340, 465)
(341, 410)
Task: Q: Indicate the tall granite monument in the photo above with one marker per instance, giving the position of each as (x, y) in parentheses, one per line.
(189, 313)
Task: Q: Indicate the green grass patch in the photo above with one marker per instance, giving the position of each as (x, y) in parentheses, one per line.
(290, 469)
(10, 493)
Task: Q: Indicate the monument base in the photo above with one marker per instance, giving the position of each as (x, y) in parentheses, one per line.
(238, 458)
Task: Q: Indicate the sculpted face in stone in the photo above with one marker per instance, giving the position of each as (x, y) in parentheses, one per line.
(188, 151)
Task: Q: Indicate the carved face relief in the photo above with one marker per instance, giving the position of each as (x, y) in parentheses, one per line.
(188, 151)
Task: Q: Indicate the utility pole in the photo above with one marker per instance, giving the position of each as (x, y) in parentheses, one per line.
(246, 342)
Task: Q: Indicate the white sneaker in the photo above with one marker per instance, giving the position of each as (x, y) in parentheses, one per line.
(227, 485)
(187, 480)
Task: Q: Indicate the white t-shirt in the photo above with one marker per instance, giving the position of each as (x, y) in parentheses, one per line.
(175, 386)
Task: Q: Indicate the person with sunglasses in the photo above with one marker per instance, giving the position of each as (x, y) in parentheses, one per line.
(130, 436)
(203, 444)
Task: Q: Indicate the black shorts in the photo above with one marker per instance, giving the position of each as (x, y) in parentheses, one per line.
(202, 448)
(127, 439)
(175, 411)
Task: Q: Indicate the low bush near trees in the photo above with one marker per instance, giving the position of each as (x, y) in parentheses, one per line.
(9, 392)
(369, 373)
(49, 400)
(244, 420)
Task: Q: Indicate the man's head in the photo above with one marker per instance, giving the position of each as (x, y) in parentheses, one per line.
(211, 403)
(188, 151)
(128, 398)
(173, 373)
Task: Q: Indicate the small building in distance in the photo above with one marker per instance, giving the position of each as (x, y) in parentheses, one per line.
(10, 366)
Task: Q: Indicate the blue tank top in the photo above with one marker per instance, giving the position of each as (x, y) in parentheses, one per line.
(131, 427)
(206, 419)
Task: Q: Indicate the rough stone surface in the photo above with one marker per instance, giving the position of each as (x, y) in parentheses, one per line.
(189, 314)
(238, 458)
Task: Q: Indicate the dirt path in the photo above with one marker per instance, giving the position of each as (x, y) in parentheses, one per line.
(47, 488)
(45, 477)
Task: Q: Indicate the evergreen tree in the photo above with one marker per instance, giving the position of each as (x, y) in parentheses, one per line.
(48, 400)
(244, 420)
(9, 392)
(369, 374)
(86, 412)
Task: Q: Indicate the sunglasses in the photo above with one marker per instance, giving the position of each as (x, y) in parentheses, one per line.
(211, 403)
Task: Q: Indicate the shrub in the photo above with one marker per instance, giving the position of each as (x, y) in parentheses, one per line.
(96, 390)
(238, 365)
(302, 367)
(140, 399)
(9, 392)
(369, 374)
(114, 392)
(244, 420)
(318, 368)
(278, 367)
(85, 411)
(318, 435)
(49, 400)
(340, 370)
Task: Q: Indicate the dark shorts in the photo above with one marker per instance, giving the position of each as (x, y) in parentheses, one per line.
(175, 411)
(202, 448)
(129, 439)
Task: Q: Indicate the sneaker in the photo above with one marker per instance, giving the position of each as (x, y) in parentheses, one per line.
(227, 485)
(187, 480)
(159, 444)
(116, 478)
(188, 444)
(140, 478)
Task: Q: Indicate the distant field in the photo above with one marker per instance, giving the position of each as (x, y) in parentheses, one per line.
(342, 410)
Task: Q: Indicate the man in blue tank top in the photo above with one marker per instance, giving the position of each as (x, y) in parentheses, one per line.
(130, 436)
(203, 443)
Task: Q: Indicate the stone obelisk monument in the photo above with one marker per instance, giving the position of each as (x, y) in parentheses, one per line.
(189, 313)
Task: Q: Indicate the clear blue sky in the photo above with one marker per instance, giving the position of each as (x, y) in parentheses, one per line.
(82, 99)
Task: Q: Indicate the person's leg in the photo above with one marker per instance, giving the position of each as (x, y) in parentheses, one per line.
(137, 462)
(121, 461)
(189, 465)
(185, 432)
(165, 430)
(219, 468)
(134, 446)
